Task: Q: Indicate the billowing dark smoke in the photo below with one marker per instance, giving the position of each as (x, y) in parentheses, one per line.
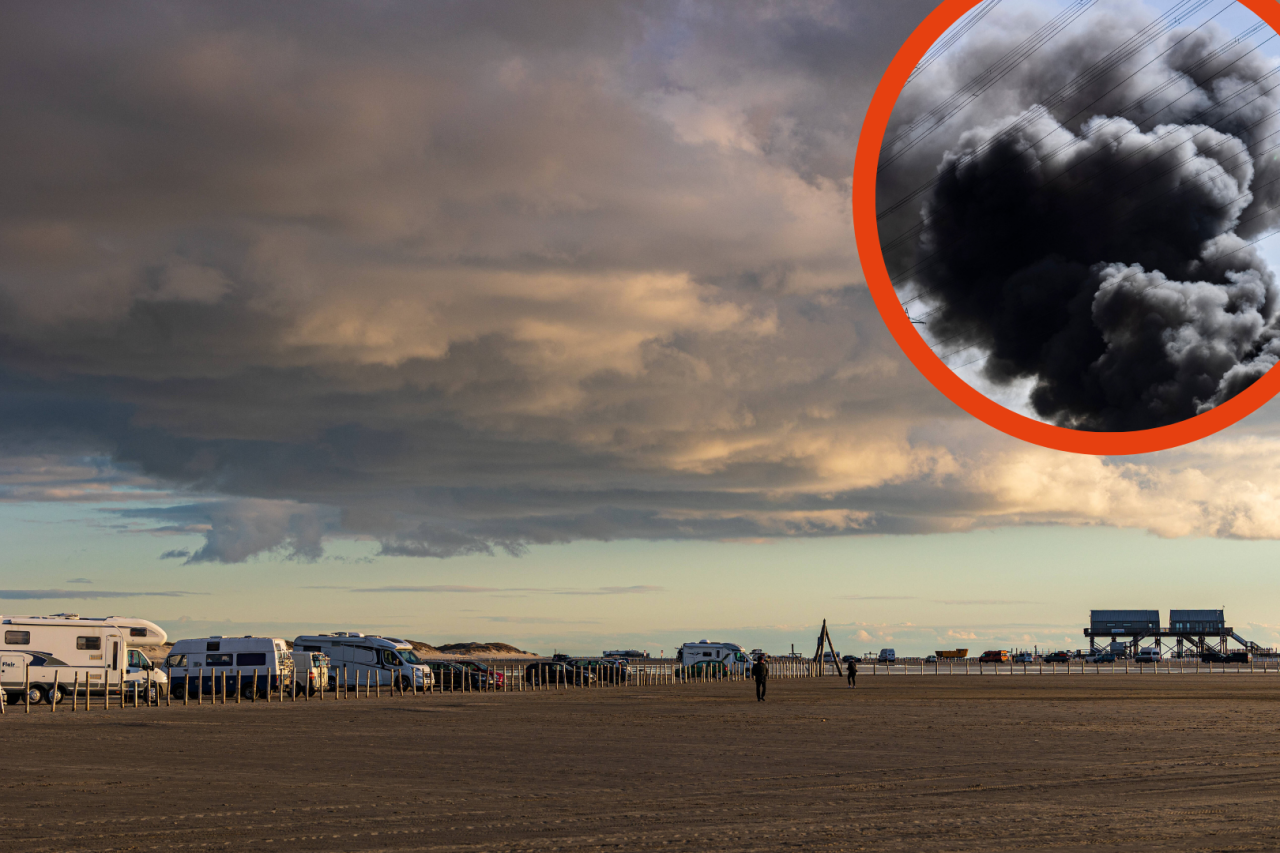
(1109, 259)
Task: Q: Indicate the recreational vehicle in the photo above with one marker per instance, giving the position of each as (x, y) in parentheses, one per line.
(705, 652)
(249, 666)
(310, 671)
(48, 656)
(356, 658)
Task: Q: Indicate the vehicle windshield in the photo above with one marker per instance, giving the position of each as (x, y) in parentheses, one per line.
(409, 656)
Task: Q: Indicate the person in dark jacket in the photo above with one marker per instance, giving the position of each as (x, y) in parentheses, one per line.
(853, 673)
(760, 672)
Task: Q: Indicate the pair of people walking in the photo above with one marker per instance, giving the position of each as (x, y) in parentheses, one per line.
(760, 672)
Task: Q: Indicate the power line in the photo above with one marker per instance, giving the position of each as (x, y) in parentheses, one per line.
(984, 81)
(954, 35)
(920, 226)
(1175, 15)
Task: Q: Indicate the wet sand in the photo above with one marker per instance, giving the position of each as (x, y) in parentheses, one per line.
(903, 763)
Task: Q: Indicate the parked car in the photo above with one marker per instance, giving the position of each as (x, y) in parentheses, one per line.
(931, 659)
(1059, 657)
(491, 676)
(1239, 657)
(705, 669)
(557, 672)
(1149, 655)
(994, 656)
(1102, 657)
(605, 671)
(455, 676)
(848, 658)
(1213, 657)
(1024, 657)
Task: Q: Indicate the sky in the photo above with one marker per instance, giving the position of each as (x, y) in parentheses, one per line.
(546, 326)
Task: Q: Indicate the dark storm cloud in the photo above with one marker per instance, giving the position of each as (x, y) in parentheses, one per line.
(466, 278)
(1098, 244)
(318, 273)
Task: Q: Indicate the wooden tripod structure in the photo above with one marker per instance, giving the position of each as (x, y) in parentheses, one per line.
(825, 637)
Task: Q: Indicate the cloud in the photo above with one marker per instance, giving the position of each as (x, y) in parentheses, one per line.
(449, 588)
(877, 597)
(999, 601)
(536, 620)
(462, 284)
(79, 580)
(53, 594)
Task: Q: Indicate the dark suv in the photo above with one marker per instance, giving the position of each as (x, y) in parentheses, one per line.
(557, 672)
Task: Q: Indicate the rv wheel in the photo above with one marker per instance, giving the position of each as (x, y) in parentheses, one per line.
(36, 694)
(406, 686)
(246, 692)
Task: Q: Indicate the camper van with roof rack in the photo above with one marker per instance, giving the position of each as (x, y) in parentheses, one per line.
(67, 649)
(249, 666)
(357, 658)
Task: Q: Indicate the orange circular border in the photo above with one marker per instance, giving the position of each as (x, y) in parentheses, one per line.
(867, 234)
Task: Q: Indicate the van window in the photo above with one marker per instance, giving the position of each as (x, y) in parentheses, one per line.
(213, 647)
(17, 638)
(137, 632)
(311, 649)
(364, 656)
(706, 654)
(389, 658)
(176, 661)
(93, 644)
(251, 659)
(217, 660)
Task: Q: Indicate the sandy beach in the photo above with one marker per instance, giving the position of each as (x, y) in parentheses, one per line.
(902, 763)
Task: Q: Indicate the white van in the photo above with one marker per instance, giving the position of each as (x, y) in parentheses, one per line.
(67, 649)
(887, 656)
(1151, 654)
(211, 664)
(310, 672)
(356, 658)
(708, 653)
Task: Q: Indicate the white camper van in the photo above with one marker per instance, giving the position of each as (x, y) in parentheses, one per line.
(310, 672)
(358, 657)
(66, 649)
(212, 664)
(705, 653)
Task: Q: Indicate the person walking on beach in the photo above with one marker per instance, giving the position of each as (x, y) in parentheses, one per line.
(760, 672)
(853, 673)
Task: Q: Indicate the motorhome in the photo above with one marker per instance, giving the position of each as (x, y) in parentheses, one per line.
(356, 658)
(310, 672)
(68, 650)
(706, 652)
(249, 666)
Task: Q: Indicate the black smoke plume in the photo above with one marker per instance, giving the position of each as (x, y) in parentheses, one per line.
(1105, 252)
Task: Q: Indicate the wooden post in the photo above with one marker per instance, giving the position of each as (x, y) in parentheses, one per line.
(53, 694)
(253, 696)
(200, 686)
(75, 693)
(168, 691)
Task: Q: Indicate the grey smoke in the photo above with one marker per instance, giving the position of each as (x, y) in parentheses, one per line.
(1101, 247)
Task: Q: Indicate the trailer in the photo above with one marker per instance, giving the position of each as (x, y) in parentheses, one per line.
(47, 656)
